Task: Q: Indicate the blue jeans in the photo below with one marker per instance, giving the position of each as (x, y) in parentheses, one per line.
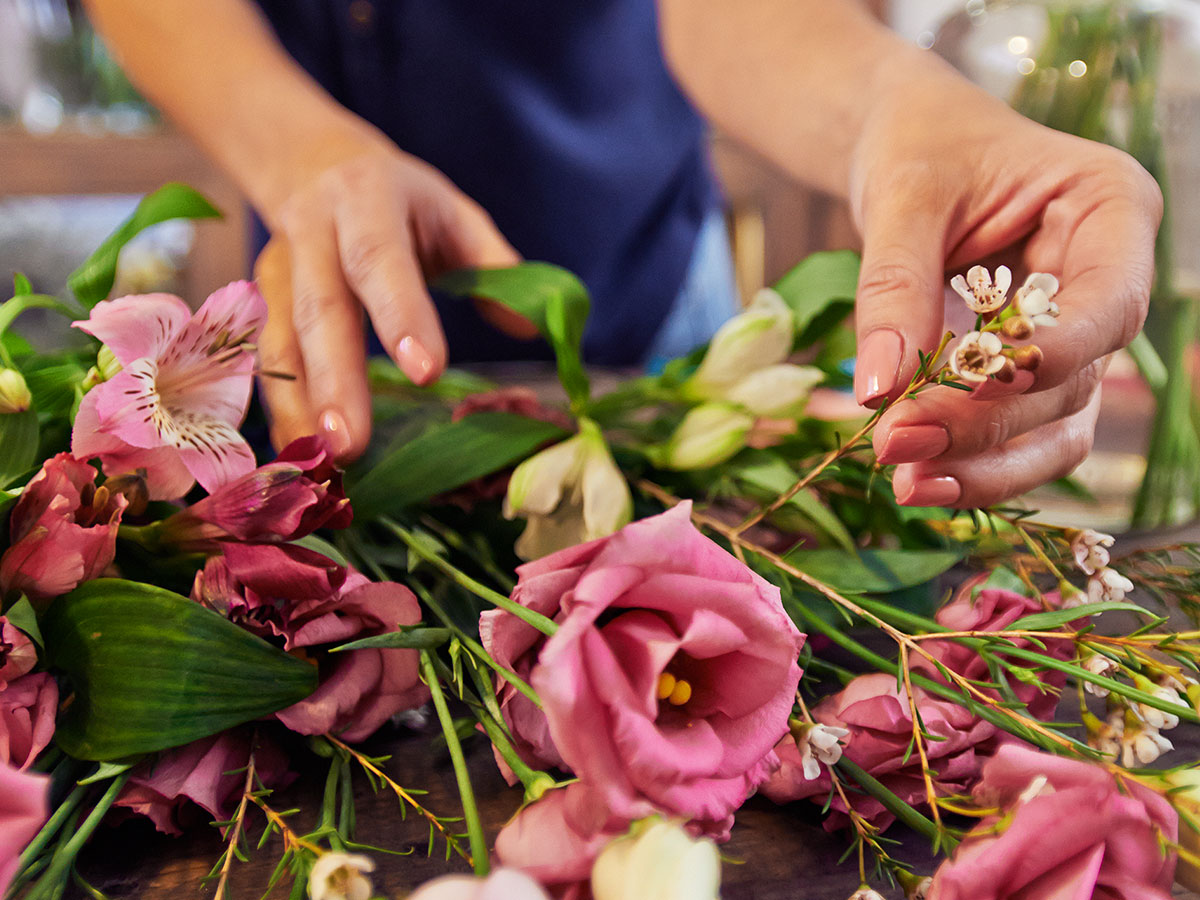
(708, 298)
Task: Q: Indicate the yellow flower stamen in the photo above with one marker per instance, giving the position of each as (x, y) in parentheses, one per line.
(666, 685)
(681, 694)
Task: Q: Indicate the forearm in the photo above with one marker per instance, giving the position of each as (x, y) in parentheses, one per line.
(216, 70)
(794, 79)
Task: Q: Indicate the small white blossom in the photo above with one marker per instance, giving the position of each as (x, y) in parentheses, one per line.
(1034, 299)
(340, 876)
(820, 744)
(1108, 584)
(1072, 597)
(1157, 718)
(977, 356)
(1099, 664)
(1142, 746)
(866, 893)
(1106, 736)
(1090, 549)
(922, 889)
(978, 290)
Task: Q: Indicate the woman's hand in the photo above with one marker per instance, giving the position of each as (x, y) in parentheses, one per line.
(364, 230)
(944, 176)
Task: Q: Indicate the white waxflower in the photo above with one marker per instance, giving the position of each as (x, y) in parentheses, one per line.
(819, 744)
(922, 888)
(1157, 718)
(658, 861)
(1034, 299)
(1090, 549)
(1099, 664)
(1106, 736)
(14, 392)
(340, 876)
(1108, 584)
(568, 494)
(1142, 746)
(866, 893)
(978, 290)
(759, 336)
(977, 356)
(709, 434)
(1072, 597)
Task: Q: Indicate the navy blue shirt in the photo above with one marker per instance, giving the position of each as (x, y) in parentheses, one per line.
(558, 116)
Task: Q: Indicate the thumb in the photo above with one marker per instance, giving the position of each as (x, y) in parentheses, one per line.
(899, 304)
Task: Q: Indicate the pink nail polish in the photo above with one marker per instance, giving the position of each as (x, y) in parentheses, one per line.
(941, 490)
(914, 443)
(414, 360)
(878, 366)
(336, 434)
(998, 390)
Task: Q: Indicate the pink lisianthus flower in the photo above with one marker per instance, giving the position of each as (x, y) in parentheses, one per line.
(23, 809)
(18, 655)
(63, 531)
(1066, 830)
(209, 773)
(307, 602)
(879, 722)
(669, 681)
(994, 610)
(27, 708)
(287, 499)
(175, 407)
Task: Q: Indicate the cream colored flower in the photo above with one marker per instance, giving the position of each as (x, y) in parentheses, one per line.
(709, 434)
(1106, 736)
(977, 356)
(819, 744)
(759, 336)
(340, 876)
(1099, 664)
(922, 889)
(1034, 299)
(775, 391)
(1142, 746)
(657, 861)
(978, 290)
(866, 893)
(1108, 584)
(14, 392)
(568, 494)
(1090, 549)
(1157, 718)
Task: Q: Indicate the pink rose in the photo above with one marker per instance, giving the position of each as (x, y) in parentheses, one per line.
(63, 531)
(1067, 831)
(308, 603)
(994, 610)
(501, 884)
(209, 773)
(23, 809)
(654, 611)
(880, 725)
(287, 499)
(18, 655)
(27, 708)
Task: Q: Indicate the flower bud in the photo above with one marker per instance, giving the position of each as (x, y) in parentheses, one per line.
(1007, 372)
(657, 859)
(1028, 358)
(1018, 328)
(709, 434)
(106, 367)
(14, 392)
(775, 391)
(133, 487)
(760, 336)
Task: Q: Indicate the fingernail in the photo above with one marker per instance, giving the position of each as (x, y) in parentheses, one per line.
(914, 443)
(942, 490)
(878, 366)
(336, 434)
(998, 390)
(414, 360)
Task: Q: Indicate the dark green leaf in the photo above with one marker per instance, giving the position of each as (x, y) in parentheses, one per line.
(18, 445)
(21, 615)
(151, 669)
(418, 638)
(445, 457)
(820, 291)
(550, 297)
(1045, 621)
(873, 571)
(92, 281)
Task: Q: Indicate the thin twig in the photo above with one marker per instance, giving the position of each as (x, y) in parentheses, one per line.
(235, 831)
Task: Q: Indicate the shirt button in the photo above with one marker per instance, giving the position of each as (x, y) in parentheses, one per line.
(362, 14)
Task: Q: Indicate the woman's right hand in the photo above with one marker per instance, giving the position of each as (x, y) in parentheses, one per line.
(362, 228)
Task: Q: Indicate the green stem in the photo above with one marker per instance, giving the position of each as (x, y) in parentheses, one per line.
(18, 305)
(479, 853)
(897, 807)
(535, 781)
(53, 824)
(462, 579)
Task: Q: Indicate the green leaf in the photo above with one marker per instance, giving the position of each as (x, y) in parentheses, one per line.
(92, 281)
(1045, 621)
(107, 770)
(772, 476)
(18, 445)
(418, 637)
(322, 546)
(820, 291)
(445, 457)
(21, 285)
(21, 615)
(873, 571)
(549, 296)
(152, 670)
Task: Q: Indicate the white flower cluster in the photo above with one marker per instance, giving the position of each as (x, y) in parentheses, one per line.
(1090, 549)
(1132, 732)
(980, 355)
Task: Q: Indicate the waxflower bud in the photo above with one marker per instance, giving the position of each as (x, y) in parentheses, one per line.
(1018, 328)
(1007, 372)
(14, 392)
(866, 893)
(1028, 358)
(657, 860)
(709, 434)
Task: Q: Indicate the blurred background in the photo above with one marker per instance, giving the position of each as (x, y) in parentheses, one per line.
(78, 146)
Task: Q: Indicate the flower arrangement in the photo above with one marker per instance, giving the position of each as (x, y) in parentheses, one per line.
(719, 596)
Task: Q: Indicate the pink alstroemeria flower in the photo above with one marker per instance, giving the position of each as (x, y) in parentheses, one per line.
(175, 407)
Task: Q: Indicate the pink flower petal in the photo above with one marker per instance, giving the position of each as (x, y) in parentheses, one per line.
(23, 809)
(137, 326)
